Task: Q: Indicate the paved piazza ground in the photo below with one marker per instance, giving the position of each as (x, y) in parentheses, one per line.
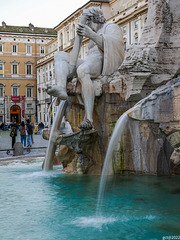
(5, 143)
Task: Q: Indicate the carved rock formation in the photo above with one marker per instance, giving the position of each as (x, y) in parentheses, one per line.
(155, 59)
(162, 110)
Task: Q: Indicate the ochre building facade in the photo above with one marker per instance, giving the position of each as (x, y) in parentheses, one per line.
(20, 48)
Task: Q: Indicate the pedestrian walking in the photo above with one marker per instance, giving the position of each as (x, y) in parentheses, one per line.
(16, 126)
(29, 132)
(32, 139)
(22, 130)
(36, 129)
(13, 134)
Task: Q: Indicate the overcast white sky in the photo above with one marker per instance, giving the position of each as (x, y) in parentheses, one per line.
(41, 13)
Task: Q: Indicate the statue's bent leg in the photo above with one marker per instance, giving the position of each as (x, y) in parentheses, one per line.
(88, 94)
(62, 70)
(91, 68)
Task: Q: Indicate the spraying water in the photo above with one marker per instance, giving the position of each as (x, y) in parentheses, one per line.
(107, 167)
(48, 164)
(138, 150)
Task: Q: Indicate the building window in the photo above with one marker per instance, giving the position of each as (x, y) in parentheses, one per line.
(42, 50)
(124, 29)
(74, 31)
(1, 48)
(14, 49)
(15, 91)
(125, 46)
(67, 35)
(1, 70)
(28, 49)
(29, 105)
(61, 39)
(29, 69)
(29, 92)
(136, 24)
(1, 92)
(15, 69)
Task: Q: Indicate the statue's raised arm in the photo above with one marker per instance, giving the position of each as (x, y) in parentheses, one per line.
(105, 55)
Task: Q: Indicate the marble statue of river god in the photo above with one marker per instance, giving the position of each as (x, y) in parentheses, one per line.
(105, 55)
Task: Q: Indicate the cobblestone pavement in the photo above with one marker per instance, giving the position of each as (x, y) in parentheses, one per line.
(6, 142)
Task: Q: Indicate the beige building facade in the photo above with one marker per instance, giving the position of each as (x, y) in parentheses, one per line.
(20, 48)
(130, 15)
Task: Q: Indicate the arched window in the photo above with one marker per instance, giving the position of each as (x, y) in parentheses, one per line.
(61, 39)
(67, 36)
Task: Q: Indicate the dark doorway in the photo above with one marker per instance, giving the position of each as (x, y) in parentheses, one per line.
(15, 112)
(15, 118)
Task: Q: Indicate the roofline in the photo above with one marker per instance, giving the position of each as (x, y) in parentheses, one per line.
(29, 34)
(80, 9)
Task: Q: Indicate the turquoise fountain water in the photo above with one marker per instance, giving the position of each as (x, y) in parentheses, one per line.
(39, 205)
(107, 166)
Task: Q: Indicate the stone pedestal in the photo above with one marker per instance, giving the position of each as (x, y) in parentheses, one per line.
(18, 149)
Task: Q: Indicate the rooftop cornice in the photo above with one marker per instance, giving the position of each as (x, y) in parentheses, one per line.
(28, 34)
(78, 12)
(31, 30)
(125, 18)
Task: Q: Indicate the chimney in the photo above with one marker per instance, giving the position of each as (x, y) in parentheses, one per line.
(3, 24)
(31, 27)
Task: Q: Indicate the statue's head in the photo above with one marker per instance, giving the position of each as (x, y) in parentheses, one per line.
(95, 14)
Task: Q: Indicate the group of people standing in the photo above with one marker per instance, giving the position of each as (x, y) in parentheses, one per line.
(25, 130)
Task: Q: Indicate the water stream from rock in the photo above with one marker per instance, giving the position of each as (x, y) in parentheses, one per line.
(107, 167)
(48, 163)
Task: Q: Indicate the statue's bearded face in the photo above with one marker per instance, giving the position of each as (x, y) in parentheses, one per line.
(93, 25)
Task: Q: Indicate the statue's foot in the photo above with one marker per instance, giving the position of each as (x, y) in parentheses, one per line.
(57, 91)
(85, 125)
